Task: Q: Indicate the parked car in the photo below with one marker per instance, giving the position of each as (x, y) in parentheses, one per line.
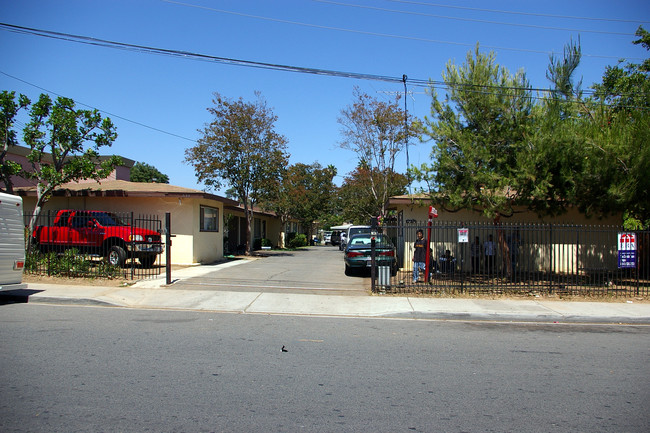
(358, 253)
(343, 241)
(351, 231)
(327, 237)
(335, 237)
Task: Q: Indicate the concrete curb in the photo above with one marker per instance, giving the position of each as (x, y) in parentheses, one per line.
(155, 294)
(412, 308)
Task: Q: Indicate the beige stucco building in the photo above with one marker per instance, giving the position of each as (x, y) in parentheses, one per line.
(416, 206)
(203, 225)
(196, 216)
(565, 242)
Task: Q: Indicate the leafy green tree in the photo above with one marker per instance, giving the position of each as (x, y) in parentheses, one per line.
(481, 132)
(594, 151)
(619, 154)
(312, 188)
(554, 162)
(64, 146)
(9, 108)
(241, 148)
(304, 192)
(143, 172)
(627, 87)
(377, 132)
(359, 206)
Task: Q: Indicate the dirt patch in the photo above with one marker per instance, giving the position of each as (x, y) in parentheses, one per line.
(520, 297)
(86, 281)
(44, 279)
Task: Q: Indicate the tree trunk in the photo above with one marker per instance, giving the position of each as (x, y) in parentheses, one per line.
(503, 245)
(32, 221)
(249, 213)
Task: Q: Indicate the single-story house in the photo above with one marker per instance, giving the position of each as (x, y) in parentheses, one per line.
(200, 221)
(196, 216)
(416, 207)
(574, 242)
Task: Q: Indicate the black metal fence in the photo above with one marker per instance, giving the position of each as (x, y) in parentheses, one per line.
(522, 258)
(94, 244)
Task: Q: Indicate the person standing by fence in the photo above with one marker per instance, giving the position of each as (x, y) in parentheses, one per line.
(514, 242)
(488, 249)
(475, 253)
(419, 255)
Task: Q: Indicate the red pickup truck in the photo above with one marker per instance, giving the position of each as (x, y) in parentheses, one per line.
(99, 232)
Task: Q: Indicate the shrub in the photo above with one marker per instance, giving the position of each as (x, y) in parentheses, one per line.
(69, 264)
(259, 243)
(300, 240)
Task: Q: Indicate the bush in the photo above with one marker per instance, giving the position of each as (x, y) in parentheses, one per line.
(300, 240)
(259, 243)
(69, 264)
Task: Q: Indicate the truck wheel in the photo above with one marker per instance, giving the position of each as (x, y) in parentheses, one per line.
(116, 256)
(147, 261)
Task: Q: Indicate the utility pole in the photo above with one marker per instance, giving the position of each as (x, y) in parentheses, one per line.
(406, 133)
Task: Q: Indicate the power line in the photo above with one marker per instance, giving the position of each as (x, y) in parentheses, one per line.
(190, 55)
(384, 35)
(247, 63)
(533, 14)
(102, 111)
(474, 20)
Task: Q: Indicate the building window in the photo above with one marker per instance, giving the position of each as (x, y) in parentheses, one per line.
(256, 228)
(209, 219)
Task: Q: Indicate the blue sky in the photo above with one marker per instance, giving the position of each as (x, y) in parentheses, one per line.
(159, 102)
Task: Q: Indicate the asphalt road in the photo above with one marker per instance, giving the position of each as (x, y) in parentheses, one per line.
(87, 369)
(314, 270)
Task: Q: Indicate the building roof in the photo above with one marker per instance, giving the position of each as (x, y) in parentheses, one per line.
(123, 188)
(24, 151)
(409, 198)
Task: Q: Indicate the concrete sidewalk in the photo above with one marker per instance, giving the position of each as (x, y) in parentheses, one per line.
(155, 294)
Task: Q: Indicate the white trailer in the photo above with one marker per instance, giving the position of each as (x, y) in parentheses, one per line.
(12, 242)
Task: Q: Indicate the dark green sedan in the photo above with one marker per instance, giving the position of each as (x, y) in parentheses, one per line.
(357, 253)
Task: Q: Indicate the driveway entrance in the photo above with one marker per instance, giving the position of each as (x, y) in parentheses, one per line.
(318, 270)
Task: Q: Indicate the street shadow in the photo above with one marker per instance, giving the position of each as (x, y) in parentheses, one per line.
(18, 296)
(272, 253)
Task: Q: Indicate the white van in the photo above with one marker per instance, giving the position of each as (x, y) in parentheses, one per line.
(12, 242)
(354, 230)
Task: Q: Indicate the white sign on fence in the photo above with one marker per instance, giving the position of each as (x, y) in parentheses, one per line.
(463, 236)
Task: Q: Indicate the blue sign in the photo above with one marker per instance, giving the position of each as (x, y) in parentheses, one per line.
(627, 259)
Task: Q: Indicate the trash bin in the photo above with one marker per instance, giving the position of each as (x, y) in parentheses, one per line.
(383, 275)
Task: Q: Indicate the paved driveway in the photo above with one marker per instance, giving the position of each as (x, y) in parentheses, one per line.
(318, 270)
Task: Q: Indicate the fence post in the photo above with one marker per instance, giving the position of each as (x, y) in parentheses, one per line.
(168, 244)
(132, 240)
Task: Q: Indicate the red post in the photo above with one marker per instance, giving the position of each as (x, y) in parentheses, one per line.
(433, 213)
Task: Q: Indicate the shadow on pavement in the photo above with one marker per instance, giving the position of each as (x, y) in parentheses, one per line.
(19, 296)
